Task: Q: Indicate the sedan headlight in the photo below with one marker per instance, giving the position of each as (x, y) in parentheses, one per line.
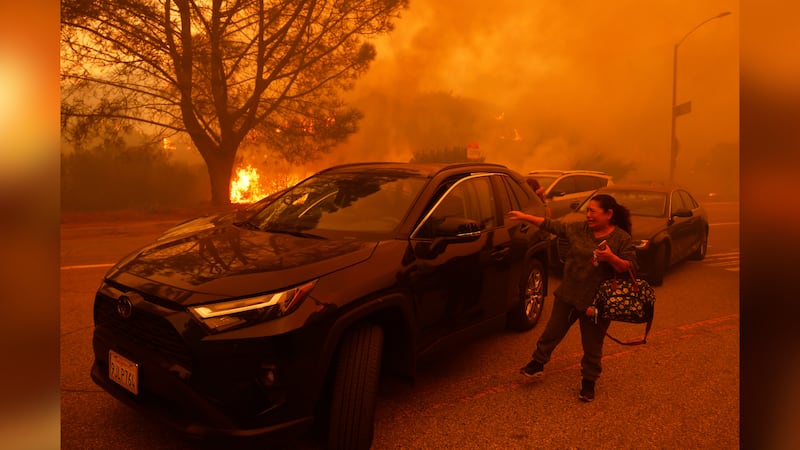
(225, 315)
(641, 244)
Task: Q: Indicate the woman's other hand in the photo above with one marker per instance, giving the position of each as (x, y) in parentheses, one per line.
(604, 254)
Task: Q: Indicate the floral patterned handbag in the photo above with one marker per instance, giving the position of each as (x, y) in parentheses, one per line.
(626, 300)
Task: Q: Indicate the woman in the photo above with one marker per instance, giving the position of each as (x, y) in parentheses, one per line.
(598, 247)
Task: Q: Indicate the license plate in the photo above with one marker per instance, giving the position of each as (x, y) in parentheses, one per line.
(123, 371)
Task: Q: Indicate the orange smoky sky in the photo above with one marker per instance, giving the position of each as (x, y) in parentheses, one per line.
(551, 84)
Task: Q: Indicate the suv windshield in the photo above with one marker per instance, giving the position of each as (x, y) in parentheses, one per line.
(367, 202)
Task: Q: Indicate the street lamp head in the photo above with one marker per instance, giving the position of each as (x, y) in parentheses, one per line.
(723, 14)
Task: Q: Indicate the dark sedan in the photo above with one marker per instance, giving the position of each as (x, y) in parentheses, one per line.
(668, 226)
(287, 316)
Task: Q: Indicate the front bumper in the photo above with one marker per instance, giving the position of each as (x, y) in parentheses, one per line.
(196, 417)
(207, 388)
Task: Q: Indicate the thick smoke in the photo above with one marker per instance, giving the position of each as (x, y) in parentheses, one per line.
(555, 85)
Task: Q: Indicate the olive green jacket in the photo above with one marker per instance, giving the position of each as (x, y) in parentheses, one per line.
(581, 278)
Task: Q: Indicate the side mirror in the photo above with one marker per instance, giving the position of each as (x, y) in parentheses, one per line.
(450, 230)
(458, 229)
(682, 213)
(556, 194)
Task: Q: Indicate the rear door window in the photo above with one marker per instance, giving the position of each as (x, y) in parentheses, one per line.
(589, 183)
(483, 201)
(688, 200)
(519, 199)
(677, 202)
(564, 186)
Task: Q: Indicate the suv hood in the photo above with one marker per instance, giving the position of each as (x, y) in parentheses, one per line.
(227, 261)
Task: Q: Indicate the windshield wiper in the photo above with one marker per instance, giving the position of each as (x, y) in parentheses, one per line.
(247, 224)
(297, 233)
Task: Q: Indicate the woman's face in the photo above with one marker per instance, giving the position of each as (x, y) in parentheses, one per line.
(596, 216)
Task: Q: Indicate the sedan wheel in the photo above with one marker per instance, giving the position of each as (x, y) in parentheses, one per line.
(529, 308)
(701, 251)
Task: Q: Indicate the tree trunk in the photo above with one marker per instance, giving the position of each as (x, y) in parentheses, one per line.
(219, 174)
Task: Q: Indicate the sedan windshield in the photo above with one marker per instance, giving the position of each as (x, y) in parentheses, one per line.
(358, 202)
(639, 203)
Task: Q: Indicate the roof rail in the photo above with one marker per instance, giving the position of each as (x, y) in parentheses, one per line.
(597, 172)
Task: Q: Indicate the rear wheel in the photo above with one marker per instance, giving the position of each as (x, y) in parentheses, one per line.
(355, 388)
(701, 251)
(529, 307)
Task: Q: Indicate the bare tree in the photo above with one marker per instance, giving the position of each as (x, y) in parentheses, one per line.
(225, 72)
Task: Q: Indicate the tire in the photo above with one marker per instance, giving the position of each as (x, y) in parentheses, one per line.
(355, 389)
(701, 251)
(660, 265)
(528, 309)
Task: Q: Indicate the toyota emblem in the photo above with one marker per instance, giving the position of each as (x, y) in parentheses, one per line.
(124, 307)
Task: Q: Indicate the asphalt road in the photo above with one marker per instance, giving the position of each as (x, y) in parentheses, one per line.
(680, 390)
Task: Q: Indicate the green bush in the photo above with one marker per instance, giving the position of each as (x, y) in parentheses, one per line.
(116, 176)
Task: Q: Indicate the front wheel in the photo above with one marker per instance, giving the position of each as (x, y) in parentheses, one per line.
(529, 306)
(701, 251)
(355, 389)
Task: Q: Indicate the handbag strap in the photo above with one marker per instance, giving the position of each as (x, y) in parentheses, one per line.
(637, 341)
(635, 286)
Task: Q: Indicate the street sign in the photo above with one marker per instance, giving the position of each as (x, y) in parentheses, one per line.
(473, 151)
(683, 108)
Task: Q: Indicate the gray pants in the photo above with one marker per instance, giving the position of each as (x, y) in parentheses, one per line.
(592, 336)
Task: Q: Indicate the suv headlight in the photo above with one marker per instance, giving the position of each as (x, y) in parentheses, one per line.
(228, 314)
(641, 244)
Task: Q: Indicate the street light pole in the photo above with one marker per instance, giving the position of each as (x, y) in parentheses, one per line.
(673, 148)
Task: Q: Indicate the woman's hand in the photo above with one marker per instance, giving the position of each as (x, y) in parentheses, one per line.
(605, 254)
(517, 215)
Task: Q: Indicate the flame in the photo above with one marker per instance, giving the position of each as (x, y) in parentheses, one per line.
(247, 186)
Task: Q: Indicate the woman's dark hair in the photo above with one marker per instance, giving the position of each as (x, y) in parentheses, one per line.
(533, 183)
(621, 216)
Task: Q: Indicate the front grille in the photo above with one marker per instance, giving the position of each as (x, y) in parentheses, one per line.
(562, 246)
(143, 329)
